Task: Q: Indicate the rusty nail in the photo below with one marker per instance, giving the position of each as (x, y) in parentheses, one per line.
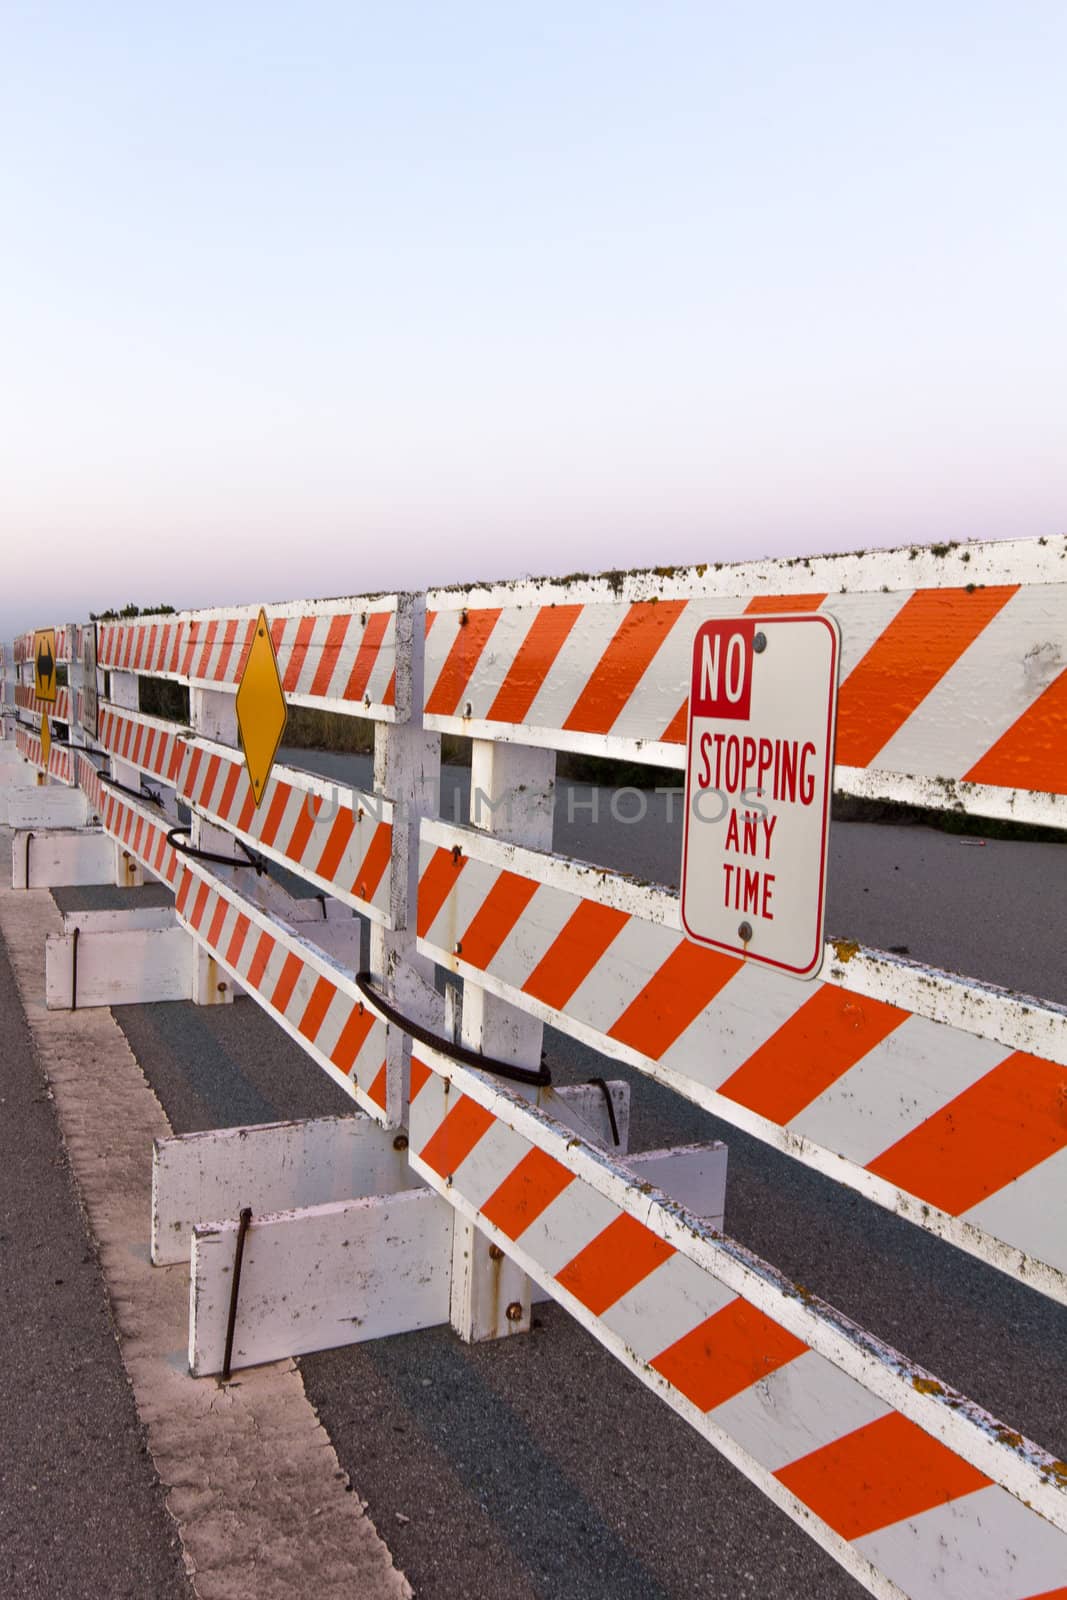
(361, 1008)
(456, 853)
(463, 618)
(514, 1312)
(400, 1142)
(467, 709)
(495, 1253)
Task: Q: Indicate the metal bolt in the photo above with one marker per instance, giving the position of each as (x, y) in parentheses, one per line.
(261, 633)
(495, 1253)
(458, 948)
(400, 1142)
(221, 988)
(759, 643)
(514, 1312)
(744, 932)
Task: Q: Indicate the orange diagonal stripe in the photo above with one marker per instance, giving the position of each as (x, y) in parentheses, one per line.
(420, 1075)
(926, 637)
(316, 1008)
(532, 663)
(454, 1140)
(260, 957)
(471, 639)
(495, 918)
(727, 1352)
(310, 805)
(352, 1037)
(768, 605)
(275, 812)
(374, 862)
(287, 979)
(331, 650)
(304, 629)
(366, 655)
(623, 664)
(1006, 1123)
(1032, 754)
(435, 886)
(575, 951)
(673, 998)
(334, 848)
(214, 932)
(824, 1038)
(881, 1473)
(526, 1192)
(623, 1254)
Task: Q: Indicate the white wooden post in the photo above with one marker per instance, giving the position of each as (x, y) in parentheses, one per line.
(407, 771)
(129, 873)
(512, 796)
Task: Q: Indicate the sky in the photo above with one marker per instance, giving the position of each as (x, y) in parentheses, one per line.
(304, 300)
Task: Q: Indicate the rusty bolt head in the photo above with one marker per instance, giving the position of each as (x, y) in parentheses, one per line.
(495, 1253)
(400, 1142)
(514, 1312)
(759, 643)
(744, 932)
(222, 987)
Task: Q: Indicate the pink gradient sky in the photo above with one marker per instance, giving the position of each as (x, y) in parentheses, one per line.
(316, 301)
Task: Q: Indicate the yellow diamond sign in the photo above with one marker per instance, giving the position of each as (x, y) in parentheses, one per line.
(46, 742)
(44, 664)
(261, 709)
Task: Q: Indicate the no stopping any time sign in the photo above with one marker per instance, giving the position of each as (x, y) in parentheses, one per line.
(758, 783)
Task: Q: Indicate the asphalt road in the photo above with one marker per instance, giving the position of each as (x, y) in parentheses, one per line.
(81, 1508)
(536, 1467)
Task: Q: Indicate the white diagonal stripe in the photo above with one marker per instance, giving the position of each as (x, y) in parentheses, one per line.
(798, 1408)
(910, 1074)
(983, 1546)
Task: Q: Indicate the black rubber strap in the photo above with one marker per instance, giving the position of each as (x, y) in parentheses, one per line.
(539, 1077)
(134, 794)
(176, 840)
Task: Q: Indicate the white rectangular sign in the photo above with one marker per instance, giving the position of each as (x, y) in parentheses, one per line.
(758, 783)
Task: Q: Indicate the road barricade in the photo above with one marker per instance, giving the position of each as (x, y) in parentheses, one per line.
(466, 1182)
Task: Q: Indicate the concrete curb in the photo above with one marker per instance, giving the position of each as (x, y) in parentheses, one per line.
(263, 1508)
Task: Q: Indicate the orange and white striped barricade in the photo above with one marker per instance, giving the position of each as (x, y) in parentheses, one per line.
(953, 685)
(297, 958)
(45, 738)
(937, 1097)
(912, 1488)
